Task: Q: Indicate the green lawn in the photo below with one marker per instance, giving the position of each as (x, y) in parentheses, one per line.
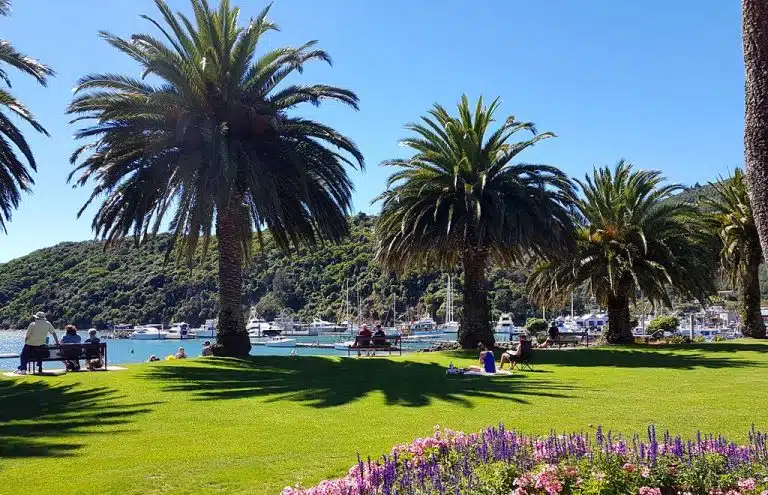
(221, 426)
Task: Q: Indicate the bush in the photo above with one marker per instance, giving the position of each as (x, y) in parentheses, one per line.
(497, 461)
(664, 323)
(536, 326)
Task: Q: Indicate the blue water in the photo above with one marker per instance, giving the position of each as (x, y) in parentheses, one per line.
(124, 351)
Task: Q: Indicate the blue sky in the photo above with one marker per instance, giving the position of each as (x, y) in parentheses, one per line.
(659, 83)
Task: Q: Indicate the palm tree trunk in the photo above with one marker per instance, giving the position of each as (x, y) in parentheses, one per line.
(231, 338)
(750, 296)
(475, 321)
(755, 43)
(619, 331)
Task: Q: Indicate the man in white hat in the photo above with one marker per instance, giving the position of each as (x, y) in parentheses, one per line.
(34, 339)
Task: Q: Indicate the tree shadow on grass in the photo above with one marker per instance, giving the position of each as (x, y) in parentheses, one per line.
(41, 420)
(322, 382)
(674, 357)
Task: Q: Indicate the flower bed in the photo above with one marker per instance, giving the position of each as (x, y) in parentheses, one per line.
(501, 461)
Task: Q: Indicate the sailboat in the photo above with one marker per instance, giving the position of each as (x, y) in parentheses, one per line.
(450, 325)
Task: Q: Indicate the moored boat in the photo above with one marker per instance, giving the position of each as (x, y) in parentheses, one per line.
(148, 332)
(280, 342)
(180, 331)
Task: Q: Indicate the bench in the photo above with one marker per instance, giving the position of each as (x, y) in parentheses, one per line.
(68, 352)
(572, 338)
(389, 343)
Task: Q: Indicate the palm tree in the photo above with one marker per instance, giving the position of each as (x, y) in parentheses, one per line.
(730, 213)
(755, 41)
(15, 175)
(632, 236)
(216, 141)
(460, 198)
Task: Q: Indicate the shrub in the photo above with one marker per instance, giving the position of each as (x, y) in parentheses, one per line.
(663, 323)
(536, 326)
(497, 461)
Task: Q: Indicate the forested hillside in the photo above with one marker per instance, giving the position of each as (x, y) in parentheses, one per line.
(84, 284)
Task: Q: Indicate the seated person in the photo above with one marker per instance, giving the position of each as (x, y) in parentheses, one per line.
(180, 354)
(363, 338)
(153, 358)
(379, 337)
(93, 357)
(207, 351)
(553, 335)
(71, 337)
(487, 361)
(522, 351)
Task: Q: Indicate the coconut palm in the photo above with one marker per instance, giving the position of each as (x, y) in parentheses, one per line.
(460, 198)
(15, 175)
(730, 214)
(632, 237)
(755, 41)
(215, 141)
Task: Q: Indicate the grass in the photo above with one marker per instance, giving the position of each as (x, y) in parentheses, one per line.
(224, 426)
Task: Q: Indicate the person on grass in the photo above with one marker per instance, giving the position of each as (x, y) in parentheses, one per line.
(34, 341)
(180, 354)
(71, 363)
(522, 351)
(379, 337)
(553, 335)
(487, 361)
(207, 351)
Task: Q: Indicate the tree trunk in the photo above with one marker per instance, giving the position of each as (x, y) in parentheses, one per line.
(475, 321)
(750, 296)
(231, 337)
(755, 44)
(619, 331)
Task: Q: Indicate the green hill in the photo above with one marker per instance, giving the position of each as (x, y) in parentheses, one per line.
(84, 284)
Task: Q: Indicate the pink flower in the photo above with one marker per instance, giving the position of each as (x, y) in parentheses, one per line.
(747, 484)
(646, 472)
(628, 467)
(646, 490)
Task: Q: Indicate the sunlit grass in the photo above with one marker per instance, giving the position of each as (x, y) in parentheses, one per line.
(222, 426)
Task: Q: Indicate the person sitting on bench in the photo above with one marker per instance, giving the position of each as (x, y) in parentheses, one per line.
(522, 351)
(71, 363)
(34, 341)
(94, 359)
(487, 361)
(379, 337)
(363, 338)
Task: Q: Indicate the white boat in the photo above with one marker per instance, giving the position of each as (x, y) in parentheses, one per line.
(207, 331)
(280, 342)
(319, 326)
(450, 325)
(505, 324)
(343, 346)
(180, 331)
(148, 333)
(424, 326)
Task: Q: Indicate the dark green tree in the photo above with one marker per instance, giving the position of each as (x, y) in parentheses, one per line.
(633, 237)
(460, 198)
(214, 140)
(730, 214)
(15, 176)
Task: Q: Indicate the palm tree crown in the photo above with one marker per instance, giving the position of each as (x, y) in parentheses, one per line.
(214, 140)
(632, 236)
(460, 197)
(15, 175)
(730, 214)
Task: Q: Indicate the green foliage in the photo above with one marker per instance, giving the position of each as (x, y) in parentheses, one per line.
(15, 176)
(84, 284)
(664, 323)
(536, 326)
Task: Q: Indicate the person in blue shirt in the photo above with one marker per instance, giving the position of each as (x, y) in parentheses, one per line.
(70, 337)
(487, 361)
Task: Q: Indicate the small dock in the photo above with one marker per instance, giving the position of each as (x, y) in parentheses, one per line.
(315, 345)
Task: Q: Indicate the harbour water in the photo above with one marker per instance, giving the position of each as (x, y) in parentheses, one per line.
(125, 351)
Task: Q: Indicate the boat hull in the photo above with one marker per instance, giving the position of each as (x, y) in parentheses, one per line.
(281, 343)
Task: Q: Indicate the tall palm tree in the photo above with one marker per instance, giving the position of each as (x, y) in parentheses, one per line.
(15, 175)
(216, 141)
(632, 237)
(755, 46)
(460, 198)
(730, 213)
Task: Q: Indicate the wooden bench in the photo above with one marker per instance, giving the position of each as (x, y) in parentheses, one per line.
(68, 352)
(572, 338)
(389, 343)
